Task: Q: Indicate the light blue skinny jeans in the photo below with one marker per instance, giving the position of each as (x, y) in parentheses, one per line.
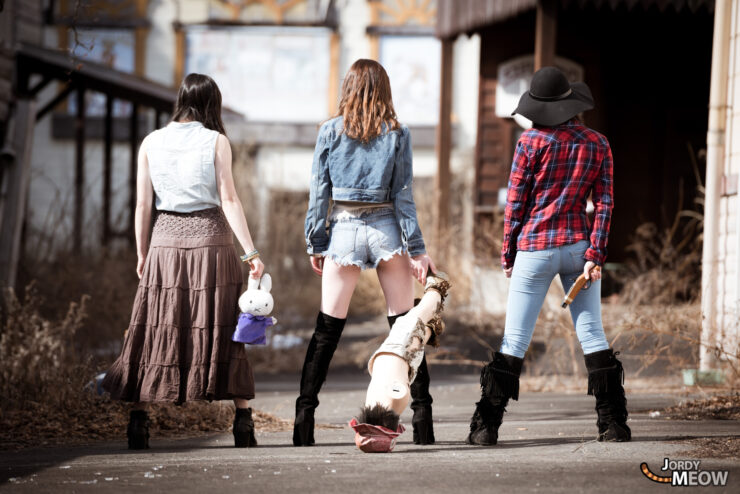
(533, 272)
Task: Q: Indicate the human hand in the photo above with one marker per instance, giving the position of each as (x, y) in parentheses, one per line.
(420, 265)
(508, 271)
(256, 268)
(317, 264)
(592, 271)
(140, 265)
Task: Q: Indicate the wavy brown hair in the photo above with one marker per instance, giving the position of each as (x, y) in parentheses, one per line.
(366, 105)
(199, 99)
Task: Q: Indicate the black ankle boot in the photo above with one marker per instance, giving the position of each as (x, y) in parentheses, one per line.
(138, 430)
(605, 380)
(315, 367)
(499, 381)
(421, 400)
(244, 429)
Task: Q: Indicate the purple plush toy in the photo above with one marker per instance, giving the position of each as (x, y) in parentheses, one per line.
(256, 304)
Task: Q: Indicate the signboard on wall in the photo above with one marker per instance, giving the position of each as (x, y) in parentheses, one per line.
(514, 77)
(413, 66)
(269, 74)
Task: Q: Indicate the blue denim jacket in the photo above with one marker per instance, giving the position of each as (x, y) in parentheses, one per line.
(345, 169)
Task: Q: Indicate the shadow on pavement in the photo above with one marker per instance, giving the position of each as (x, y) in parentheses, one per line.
(26, 462)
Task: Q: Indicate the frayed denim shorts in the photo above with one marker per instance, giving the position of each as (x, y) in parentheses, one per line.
(364, 240)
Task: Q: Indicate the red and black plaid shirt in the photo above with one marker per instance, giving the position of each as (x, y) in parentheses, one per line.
(555, 169)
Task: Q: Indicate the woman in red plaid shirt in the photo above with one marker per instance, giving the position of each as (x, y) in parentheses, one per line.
(558, 164)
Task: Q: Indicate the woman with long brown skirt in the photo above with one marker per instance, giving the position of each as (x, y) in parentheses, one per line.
(178, 345)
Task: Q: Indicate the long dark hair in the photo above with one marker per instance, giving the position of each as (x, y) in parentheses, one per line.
(199, 99)
(366, 103)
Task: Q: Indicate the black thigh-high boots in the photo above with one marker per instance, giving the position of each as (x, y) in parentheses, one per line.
(499, 381)
(315, 367)
(421, 400)
(605, 379)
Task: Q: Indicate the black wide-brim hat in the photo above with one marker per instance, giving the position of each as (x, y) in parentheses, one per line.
(552, 100)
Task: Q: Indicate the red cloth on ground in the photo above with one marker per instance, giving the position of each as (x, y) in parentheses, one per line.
(375, 438)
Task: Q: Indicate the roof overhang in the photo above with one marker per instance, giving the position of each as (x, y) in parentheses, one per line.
(455, 17)
(59, 65)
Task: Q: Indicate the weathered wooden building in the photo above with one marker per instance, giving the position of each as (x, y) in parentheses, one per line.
(20, 22)
(37, 81)
(647, 63)
(650, 65)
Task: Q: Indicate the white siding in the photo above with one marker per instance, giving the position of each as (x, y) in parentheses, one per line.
(728, 261)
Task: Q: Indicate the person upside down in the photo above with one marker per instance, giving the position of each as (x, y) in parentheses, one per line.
(394, 366)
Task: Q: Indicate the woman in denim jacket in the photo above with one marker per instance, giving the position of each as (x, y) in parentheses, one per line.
(363, 163)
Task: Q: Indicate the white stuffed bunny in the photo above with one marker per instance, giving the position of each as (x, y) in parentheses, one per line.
(256, 305)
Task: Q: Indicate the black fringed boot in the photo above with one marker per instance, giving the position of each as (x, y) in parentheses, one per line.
(605, 380)
(244, 429)
(138, 430)
(421, 400)
(499, 381)
(315, 367)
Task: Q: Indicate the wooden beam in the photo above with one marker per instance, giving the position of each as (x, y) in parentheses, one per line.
(545, 34)
(102, 22)
(179, 64)
(140, 37)
(374, 39)
(39, 86)
(62, 43)
(141, 34)
(133, 144)
(16, 173)
(334, 56)
(444, 144)
(107, 167)
(79, 211)
(60, 96)
(374, 42)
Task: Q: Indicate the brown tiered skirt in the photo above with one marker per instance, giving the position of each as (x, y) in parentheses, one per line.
(178, 346)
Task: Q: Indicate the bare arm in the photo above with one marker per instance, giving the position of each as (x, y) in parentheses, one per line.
(143, 212)
(231, 204)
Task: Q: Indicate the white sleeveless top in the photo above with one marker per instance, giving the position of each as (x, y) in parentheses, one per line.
(181, 165)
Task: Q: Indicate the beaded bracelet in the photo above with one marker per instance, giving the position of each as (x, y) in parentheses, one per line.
(250, 255)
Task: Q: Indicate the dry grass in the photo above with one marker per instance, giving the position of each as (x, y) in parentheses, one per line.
(37, 360)
(712, 447)
(665, 267)
(44, 392)
(107, 279)
(720, 407)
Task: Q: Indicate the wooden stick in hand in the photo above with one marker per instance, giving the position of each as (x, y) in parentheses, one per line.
(577, 286)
